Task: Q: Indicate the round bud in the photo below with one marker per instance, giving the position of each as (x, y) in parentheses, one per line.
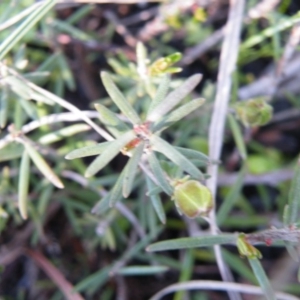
(192, 198)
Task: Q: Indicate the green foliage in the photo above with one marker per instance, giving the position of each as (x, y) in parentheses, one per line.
(158, 124)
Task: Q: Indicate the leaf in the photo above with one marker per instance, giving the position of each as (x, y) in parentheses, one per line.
(159, 174)
(238, 137)
(20, 87)
(156, 202)
(102, 205)
(178, 114)
(30, 108)
(65, 71)
(262, 278)
(142, 270)
(11, 151)
(114, 125)
(97, 279)
(3, 107)
(294, 196)
(63, 133)
(116, 192)
(292, 250)
(131, 169)
(176, 157)
(193, 242)
(15, 36)
(232, 197)
(141, 57)
(160, 94)
(88, 151)
(174, 98)
(71, 30)
(193, 154)
(43, 166)
(238, 265)
(109, 153)
(119, 99)
(24, 177)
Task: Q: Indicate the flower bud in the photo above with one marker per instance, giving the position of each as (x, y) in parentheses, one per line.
(164, 65)
(192, 198)
(246, 249)
(255, 112)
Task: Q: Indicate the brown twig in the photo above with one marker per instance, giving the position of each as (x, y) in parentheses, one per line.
(55, 275)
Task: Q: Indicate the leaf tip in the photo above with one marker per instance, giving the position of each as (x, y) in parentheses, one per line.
(68, 156)
(87, 174)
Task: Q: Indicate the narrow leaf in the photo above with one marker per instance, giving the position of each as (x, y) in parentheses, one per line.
(102, 205)
(88, 151)
(142, 270)
(174, 98)
(116, 192)
(294, 196)
(156, 202)
(18, 86)
(24, 177)
(109, 153)
(159, 174)
(262, 278)
(3, 107)
(238, 137)
(160, 94)
(231, 198)
(29, 108)
(63, 133)
(66, 73)
(119, 99)
(131, 169)
(11, 151)
(25, 27)
(98, 279)
(43, 166)
(292, 250)
(178, 114)
(176, 157)
(193, 242)
(114, 125)
(193, 154)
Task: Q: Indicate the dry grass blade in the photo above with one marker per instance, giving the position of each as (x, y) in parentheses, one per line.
(56, 276)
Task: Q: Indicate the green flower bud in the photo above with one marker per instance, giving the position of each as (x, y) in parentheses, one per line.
(192, 198)
(255, 112)
(163, 65)
(246, 249)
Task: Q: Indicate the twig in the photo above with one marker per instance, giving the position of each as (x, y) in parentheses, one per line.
(228, 60)
(217, 285)
(192, 53)
(262, 8)
(121, 29)
(141, 16)
(55, 275)
(280, 78)
(270, 178)
(270, 236)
